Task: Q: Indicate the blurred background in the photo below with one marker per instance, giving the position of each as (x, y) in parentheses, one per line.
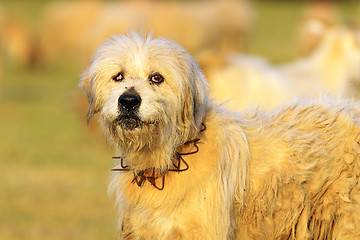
(54, 169)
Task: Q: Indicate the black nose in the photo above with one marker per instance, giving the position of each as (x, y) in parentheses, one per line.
(129, 102)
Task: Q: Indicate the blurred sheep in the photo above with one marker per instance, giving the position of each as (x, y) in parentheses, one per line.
(75, 29)
(333, 68)
(245, 80)
(15, 40)
(318, 17)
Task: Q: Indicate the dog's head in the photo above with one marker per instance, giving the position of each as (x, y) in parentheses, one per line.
(143, 88)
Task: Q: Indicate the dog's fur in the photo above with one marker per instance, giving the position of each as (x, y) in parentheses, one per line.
(290, 174)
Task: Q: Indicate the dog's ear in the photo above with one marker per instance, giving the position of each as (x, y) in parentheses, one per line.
(200, 94)
(85, 85)
(196, 99)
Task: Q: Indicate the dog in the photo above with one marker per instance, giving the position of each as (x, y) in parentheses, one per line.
(187, 168)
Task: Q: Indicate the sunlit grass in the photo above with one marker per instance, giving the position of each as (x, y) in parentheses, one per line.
(274, 34)
(55, 202)
(54, 170)
(275, 31)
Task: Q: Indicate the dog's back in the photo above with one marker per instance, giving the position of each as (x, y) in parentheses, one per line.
(304, 169)
(190, 170)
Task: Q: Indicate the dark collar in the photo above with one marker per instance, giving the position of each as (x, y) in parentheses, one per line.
(152, 174)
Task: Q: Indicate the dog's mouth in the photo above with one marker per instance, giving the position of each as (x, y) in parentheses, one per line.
(131, 122)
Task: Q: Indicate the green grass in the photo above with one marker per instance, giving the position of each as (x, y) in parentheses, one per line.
(54, 169)
(274, 33)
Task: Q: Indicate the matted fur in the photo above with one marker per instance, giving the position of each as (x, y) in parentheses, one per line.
(289, 174)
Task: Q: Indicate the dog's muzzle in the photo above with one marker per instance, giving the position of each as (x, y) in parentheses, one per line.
(129, 102)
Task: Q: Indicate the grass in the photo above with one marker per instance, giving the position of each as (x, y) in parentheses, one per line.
(55, 169)
(274, 33)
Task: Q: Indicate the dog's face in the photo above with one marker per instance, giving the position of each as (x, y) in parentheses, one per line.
(145, 88)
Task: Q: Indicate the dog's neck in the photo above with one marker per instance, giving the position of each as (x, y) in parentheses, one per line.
(151, 174)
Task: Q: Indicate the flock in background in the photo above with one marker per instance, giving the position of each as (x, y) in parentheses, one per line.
(214, 32)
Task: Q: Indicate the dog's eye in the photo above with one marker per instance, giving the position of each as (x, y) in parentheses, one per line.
(118, 77)
(156, 78)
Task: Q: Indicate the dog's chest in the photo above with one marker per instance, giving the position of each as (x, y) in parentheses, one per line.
(168, 219)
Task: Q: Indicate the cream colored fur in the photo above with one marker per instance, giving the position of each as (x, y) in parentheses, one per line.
(289, 174)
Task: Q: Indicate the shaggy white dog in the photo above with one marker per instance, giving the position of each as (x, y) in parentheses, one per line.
(191, 170)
